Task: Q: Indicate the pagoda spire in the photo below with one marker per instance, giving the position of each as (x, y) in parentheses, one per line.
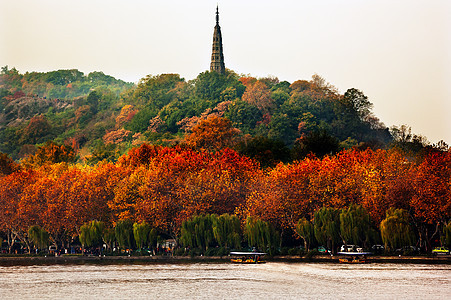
(217, 15)
(217, 55)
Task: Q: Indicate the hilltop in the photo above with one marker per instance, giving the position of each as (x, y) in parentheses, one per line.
(101, 117)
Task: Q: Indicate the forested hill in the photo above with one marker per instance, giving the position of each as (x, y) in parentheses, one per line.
(101, 117)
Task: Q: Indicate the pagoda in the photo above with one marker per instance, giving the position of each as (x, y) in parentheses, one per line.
(217, 55)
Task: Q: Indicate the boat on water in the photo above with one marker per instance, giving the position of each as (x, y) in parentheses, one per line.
(353, 260)
(247, 257)
(354, 257)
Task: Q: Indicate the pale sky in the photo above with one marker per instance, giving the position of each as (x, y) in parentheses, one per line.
(398, 52)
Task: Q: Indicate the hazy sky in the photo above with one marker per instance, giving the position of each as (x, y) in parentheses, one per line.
(398, 52)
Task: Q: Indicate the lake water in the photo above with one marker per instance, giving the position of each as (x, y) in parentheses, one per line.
(224, 280)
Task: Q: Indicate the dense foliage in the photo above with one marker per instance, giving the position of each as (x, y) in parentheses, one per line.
(207, 199)
(101, 117)
(221, 160)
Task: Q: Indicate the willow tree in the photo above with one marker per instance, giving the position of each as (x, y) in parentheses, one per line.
(197, 232)
(109, 237)
(141, 234)
(396, 231)
(446, 238)
(226, 230)
(327, 226)
(304, 228)
(261, 234)
(145, 235)
(91, 233)
(124, 234)
(355, 226)
(39, 237)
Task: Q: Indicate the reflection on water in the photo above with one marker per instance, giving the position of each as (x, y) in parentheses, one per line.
(202, 280)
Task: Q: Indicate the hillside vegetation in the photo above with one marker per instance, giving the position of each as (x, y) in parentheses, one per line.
(269, 163)
(101, 117)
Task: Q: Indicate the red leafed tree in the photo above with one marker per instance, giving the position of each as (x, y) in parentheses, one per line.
(7, 165)
(11, 190)
(431, 201)
(212, 134)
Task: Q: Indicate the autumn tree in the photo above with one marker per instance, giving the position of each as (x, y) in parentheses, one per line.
(7, 165)
(212, 134)
(12, 222)
(300, 86)
(258, 94)
(282, 197)
(51, 153)
(126, 114)
(431, 200)
(37, 130)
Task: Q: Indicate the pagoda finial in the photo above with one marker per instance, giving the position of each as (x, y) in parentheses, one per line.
(217, 14)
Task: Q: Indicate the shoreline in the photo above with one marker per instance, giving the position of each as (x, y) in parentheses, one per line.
(77, 260)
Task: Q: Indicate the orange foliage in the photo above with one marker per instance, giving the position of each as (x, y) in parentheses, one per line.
(126, 114)
(431, 199)
(247, 81)
(259, 95)
(212, 134)
(165, 186)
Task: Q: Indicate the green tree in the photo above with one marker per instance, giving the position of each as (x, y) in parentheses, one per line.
(261, 234)
(141, 232)
(209, 86)
(124, 234)
(395, 229)
(197, 232)
(357, 103)
(39, 237)
(327, 226)
(446, 238)
(93, 100)
(91, 233)
(140, 121)
(64, 77)
(156, 91)
(244, 116)
(306, 231)
(355, 226)
(227, 231)
(108, 236)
